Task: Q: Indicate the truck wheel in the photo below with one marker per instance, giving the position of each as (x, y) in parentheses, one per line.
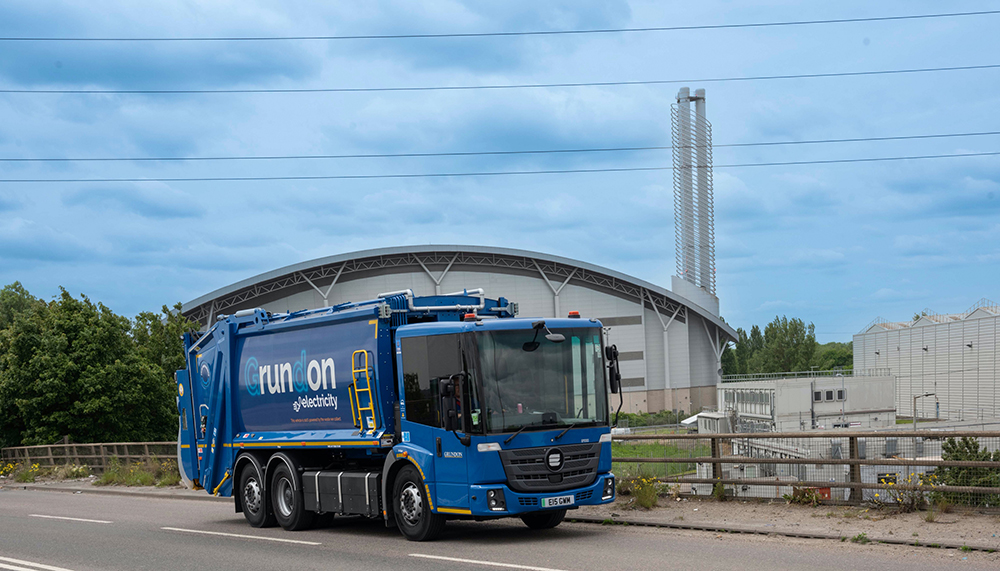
(288, 504)
(251, 490)
(543, 520)
(413, 513)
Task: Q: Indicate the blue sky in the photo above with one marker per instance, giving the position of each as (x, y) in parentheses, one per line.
(833, 244)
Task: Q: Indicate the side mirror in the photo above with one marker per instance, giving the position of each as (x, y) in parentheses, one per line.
(614, 374)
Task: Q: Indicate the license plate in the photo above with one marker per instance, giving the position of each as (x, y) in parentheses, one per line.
(557, 501)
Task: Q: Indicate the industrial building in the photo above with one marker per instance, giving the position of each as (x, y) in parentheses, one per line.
(789, 402)
(953, 357)
(670, 342)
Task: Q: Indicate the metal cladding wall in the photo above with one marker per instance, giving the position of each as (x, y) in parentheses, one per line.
(954, 356)
(670, 346)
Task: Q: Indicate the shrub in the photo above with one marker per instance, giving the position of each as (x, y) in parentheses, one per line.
(8, 468)
(968, 449)
(904, 500)
(803, 496)
(646, 491)
(147, 472)
(71, 471)
(28, 474)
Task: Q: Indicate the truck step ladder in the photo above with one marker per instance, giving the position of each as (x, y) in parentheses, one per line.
(361, 370)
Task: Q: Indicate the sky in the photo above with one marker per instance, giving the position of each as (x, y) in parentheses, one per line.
(836, 245)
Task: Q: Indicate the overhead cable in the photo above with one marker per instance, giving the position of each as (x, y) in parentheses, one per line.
(509, 86)
(480, 153)
(485, 173)
(499, 34)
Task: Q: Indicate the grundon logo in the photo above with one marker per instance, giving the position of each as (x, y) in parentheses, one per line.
(301, 376)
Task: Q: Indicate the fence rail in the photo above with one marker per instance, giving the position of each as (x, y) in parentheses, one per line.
(917, 467)
(94, 455)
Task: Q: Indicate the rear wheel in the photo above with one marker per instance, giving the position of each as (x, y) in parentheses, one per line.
(412, 509)
(543, 520)
(251, 490)
(287, 502)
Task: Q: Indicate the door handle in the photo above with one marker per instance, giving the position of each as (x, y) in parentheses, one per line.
(439, 447)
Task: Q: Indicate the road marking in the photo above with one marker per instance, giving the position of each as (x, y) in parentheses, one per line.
(490, 563)
(241, 536)
(70, 518)
(36, 566)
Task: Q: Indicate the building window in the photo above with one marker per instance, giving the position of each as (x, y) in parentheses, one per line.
(841, 394)
(818, 396)
(829, 395)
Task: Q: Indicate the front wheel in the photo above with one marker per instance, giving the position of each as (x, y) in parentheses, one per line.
(287, 502)
(543, 520)
(411, 508)
(251, 490)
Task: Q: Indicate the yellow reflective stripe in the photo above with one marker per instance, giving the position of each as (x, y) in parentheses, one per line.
(185, 446)
(454, 511)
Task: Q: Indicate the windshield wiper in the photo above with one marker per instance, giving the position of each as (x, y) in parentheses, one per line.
(560, 435)
(519, 431)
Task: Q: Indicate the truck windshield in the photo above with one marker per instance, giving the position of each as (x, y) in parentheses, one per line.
(554, 384)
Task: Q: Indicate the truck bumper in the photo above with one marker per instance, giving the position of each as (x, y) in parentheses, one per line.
(519, 503)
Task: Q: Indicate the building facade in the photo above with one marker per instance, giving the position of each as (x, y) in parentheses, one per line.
(956, 357)
(816, 400)
(670, 343)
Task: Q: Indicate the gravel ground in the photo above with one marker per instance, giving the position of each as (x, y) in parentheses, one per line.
(960, 527)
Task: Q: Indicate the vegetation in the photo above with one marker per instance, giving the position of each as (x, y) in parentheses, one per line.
(149, 472)
(652, 419)
(784, 345)
(70, 367)
(967, 449)
(804, 497)
(655, 450)
(861, 538)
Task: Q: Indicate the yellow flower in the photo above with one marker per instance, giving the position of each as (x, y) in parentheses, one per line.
(876, 495)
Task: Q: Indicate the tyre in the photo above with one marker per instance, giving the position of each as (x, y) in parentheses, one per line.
(255, 506)
(543, 520)
(411, 508)
(287, 502)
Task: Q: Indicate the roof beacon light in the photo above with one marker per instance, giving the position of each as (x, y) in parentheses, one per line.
(574, 315)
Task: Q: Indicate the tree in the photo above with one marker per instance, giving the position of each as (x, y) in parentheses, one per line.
(789, 345)
(834, 355)
(158, 339)
(72, 368)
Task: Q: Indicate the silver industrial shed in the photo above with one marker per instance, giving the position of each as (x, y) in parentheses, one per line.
(956, 356)
(670, 345)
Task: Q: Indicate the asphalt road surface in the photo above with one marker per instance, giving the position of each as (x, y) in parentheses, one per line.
(52, 531)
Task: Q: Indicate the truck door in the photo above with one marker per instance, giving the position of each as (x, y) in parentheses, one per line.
(425, 361)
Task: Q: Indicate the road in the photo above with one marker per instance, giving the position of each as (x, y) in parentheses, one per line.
(130, 533)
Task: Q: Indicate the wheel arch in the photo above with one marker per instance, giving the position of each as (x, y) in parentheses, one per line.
(287, 460)
(242, 460)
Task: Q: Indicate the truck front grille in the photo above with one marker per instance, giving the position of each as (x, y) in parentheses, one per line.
(527, 470)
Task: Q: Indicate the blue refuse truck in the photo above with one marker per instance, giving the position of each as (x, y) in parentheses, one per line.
(415, 410)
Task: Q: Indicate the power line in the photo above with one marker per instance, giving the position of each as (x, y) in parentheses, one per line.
(505, 34)
(491, 173)
(510, 86)
(484, 153)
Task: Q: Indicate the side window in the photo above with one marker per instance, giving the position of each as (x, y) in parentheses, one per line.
(818, 396)
(425, 360)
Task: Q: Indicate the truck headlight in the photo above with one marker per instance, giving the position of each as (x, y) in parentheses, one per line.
(609, 488)
(496, 501)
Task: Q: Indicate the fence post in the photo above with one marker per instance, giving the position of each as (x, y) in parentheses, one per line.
(716, 467)
(854, 473)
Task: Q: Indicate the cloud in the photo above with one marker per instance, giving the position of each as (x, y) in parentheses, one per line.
(149, 200)
(27, 240)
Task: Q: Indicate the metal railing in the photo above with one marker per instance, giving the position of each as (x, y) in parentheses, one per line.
(94, 455)
(879, 372)
(914, 467)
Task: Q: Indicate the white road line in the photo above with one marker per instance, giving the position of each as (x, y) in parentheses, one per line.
(242, 536)
(36, 566)
(70, 518)
(490, 563)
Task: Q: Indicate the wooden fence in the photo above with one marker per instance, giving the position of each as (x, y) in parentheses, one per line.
(94, 455)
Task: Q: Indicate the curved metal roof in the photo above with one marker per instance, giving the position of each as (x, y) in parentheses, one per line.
(581, 273)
